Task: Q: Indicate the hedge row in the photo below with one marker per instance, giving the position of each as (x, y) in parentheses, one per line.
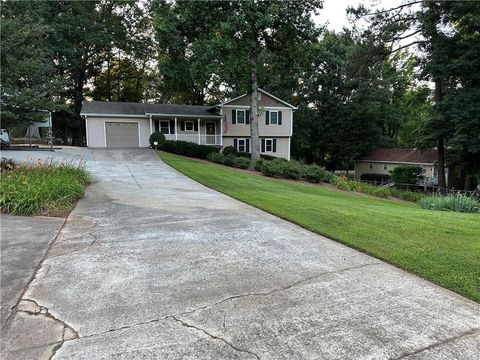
(188, 149)
(358, 186)
(240, 162)
(293, 170)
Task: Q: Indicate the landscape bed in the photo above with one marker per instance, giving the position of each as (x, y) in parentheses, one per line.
(443, 247)
(41, 188)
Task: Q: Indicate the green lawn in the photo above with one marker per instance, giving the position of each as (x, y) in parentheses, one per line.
(443, 247)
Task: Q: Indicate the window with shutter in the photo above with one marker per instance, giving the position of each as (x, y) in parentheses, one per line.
(240, 116)
(189, 126)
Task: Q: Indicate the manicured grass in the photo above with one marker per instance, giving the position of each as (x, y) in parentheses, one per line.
(443, 247)
(41, 188)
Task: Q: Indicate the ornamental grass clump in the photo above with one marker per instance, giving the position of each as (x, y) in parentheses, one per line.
(42, 187)
(457, 203)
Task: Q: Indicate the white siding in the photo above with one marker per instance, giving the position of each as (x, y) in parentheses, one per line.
(96, 129)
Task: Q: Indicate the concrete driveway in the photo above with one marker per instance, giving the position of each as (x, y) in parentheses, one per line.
(153, 265)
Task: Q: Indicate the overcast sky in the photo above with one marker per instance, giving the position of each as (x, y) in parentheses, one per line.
(334, 13)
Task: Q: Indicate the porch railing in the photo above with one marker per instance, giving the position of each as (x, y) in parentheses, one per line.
(195, 138)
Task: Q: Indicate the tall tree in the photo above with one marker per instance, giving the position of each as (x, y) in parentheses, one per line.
(29, 82)
(448, 40)
(254, 30)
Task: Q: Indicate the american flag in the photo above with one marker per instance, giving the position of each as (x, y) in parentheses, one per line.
(225, 125)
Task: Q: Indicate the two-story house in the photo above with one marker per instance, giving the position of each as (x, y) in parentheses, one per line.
(123, 124)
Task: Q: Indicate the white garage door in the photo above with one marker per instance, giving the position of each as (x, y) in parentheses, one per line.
(121, 134)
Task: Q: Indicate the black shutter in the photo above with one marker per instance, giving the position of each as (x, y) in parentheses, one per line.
(247, 145)
(279, 118)
(157, 125)
(274, 145)
(263, 145)
(267, 117)
(247, 117)
(182, 125)
(234, 116)
(235, 144)
(172, 127)
(195, 125)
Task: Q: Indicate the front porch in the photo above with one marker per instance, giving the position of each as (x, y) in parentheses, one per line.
(202, 131)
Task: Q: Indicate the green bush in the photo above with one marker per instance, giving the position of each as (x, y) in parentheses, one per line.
(457, 203)
(259, 163)
(292, 170)
(241, 162)
(406, 174)
(158, 137)
(358, 186)
(188, 149)
(229, 150)
(215, 157)
(315, 173)
(42, 188)
(272, 168)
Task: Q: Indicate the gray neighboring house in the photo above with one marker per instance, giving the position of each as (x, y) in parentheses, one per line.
(124, 124)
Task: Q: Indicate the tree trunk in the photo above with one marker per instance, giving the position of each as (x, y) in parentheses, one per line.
(254, 136)
(442, 183)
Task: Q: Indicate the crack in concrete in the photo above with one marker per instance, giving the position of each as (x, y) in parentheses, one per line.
(215, 337)
(439, 343)
(233, 297)
(133, 176)
(31, 307)
(37, 268)
(283, 288)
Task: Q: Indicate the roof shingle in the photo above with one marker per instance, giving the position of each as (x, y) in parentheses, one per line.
(132, 108)
(401, 155)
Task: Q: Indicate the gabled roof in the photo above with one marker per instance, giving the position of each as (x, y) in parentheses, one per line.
(265, 93)
(132, 108)
(401, 156)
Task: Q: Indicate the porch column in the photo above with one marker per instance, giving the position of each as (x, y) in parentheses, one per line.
(151, 126)
(221, 131)
(198, 131)
(176, 133)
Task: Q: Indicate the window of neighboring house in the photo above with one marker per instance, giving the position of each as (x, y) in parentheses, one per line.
(385, 167)
(371, 166)
(188, 125)
(164, 127)
(268, 145)
(240, 116)
(273, 117)
(241, 146)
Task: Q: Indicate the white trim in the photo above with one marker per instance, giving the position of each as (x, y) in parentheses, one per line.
(277, 108)
(288, 151)
(183, 115)
(115, 115)
(193, 126)
(151, 128)
(276, 98)
(270, 119)
(244, 145)
(160, 125)
(266, 93)
(393, 162)
(266, 151)
(244, 117)
(86, 128)
(176, 129)
(221, 126)
(198, 126)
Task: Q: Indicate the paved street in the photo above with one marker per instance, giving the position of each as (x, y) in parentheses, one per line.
(153, 265)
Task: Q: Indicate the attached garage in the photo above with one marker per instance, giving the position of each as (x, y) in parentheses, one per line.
(122, 134)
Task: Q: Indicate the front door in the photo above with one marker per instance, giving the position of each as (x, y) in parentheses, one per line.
(210, 131)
